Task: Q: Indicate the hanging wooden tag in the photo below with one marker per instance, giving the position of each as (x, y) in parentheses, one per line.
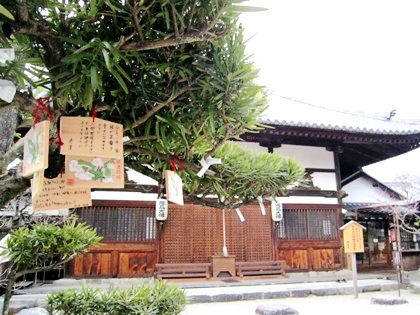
(35, 149)
(173, 184)
(87, 137)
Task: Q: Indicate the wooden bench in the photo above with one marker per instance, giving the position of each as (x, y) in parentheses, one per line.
(256, 268)
(183, 270)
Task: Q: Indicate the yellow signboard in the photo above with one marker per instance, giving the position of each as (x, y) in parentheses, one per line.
(353, 237)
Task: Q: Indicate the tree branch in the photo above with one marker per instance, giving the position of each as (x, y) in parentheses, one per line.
(42, 32)
(159, 106)
(189, 37)
(229, 134)
(46, 268)
(11, 186)
(11, 154)
(163, 157)
(24, 101)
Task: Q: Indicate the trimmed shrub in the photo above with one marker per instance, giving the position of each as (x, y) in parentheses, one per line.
(159, 298)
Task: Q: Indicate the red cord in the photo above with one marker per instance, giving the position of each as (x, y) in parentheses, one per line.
(174, 160)
(93, 113)
(42, 104)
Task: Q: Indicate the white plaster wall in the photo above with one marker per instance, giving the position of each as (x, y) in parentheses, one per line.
(308, 200)
(253, 146)
(325, 181)
(362, 190)
(309, 157)
(122, 195)
(312, 157)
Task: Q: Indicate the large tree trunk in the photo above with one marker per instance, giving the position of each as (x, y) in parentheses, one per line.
(11, 185)
(8, 124)
(11, 181)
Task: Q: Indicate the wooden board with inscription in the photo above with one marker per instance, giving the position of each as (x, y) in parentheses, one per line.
(173, 185)
(353, 237)
(37, 183)
(94, 172)
(91, 137)
(56, 195)
(35, 149)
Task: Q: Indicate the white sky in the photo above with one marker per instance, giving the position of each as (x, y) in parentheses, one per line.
(360, 55)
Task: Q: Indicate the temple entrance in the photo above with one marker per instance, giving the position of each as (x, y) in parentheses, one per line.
(377, 252)
(194, 233)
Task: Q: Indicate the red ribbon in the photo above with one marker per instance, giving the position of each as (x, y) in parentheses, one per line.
(175, 161)
(58, 138)
(94, 114)
(43, 103)
(60, 142)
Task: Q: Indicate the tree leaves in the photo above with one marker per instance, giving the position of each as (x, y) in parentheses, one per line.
(47, 244)
(6, 12)
(174, 73)
(245, 175)
(89, 65)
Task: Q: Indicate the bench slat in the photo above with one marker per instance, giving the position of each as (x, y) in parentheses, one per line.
(183, 270)
(260, 268)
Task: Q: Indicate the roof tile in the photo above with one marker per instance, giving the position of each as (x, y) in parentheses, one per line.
(299, 114)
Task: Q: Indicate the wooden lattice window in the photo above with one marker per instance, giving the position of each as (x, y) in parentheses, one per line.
(122, 224)
(309, 224)
(194, 233)
(409, 240)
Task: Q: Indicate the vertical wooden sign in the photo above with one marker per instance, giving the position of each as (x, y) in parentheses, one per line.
(353, 237)
(276, 211)
(353, 243)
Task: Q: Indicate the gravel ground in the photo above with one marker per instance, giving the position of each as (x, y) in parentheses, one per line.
(325, 305)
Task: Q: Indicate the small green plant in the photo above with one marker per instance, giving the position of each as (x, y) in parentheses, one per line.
(159, 298)
(41, 247)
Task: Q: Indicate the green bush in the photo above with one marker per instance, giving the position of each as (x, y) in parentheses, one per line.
(160, 298)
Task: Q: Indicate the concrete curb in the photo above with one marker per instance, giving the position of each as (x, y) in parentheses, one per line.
(279, 293)
(225, 292)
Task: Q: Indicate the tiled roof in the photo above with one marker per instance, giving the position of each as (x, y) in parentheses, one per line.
(299, 114)
(358, 205)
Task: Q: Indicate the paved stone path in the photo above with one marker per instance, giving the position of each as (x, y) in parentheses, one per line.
(319, 305)
(227, 297)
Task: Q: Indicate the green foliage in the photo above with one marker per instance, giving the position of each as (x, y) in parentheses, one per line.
(160, 298)
(174, 73)
(42, 245)
(6, 12)
(245, 175)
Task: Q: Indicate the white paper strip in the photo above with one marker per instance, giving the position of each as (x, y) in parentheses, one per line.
(7, 90)
(239, 213)
(206, 163)
(262, 207)
(6, 54)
